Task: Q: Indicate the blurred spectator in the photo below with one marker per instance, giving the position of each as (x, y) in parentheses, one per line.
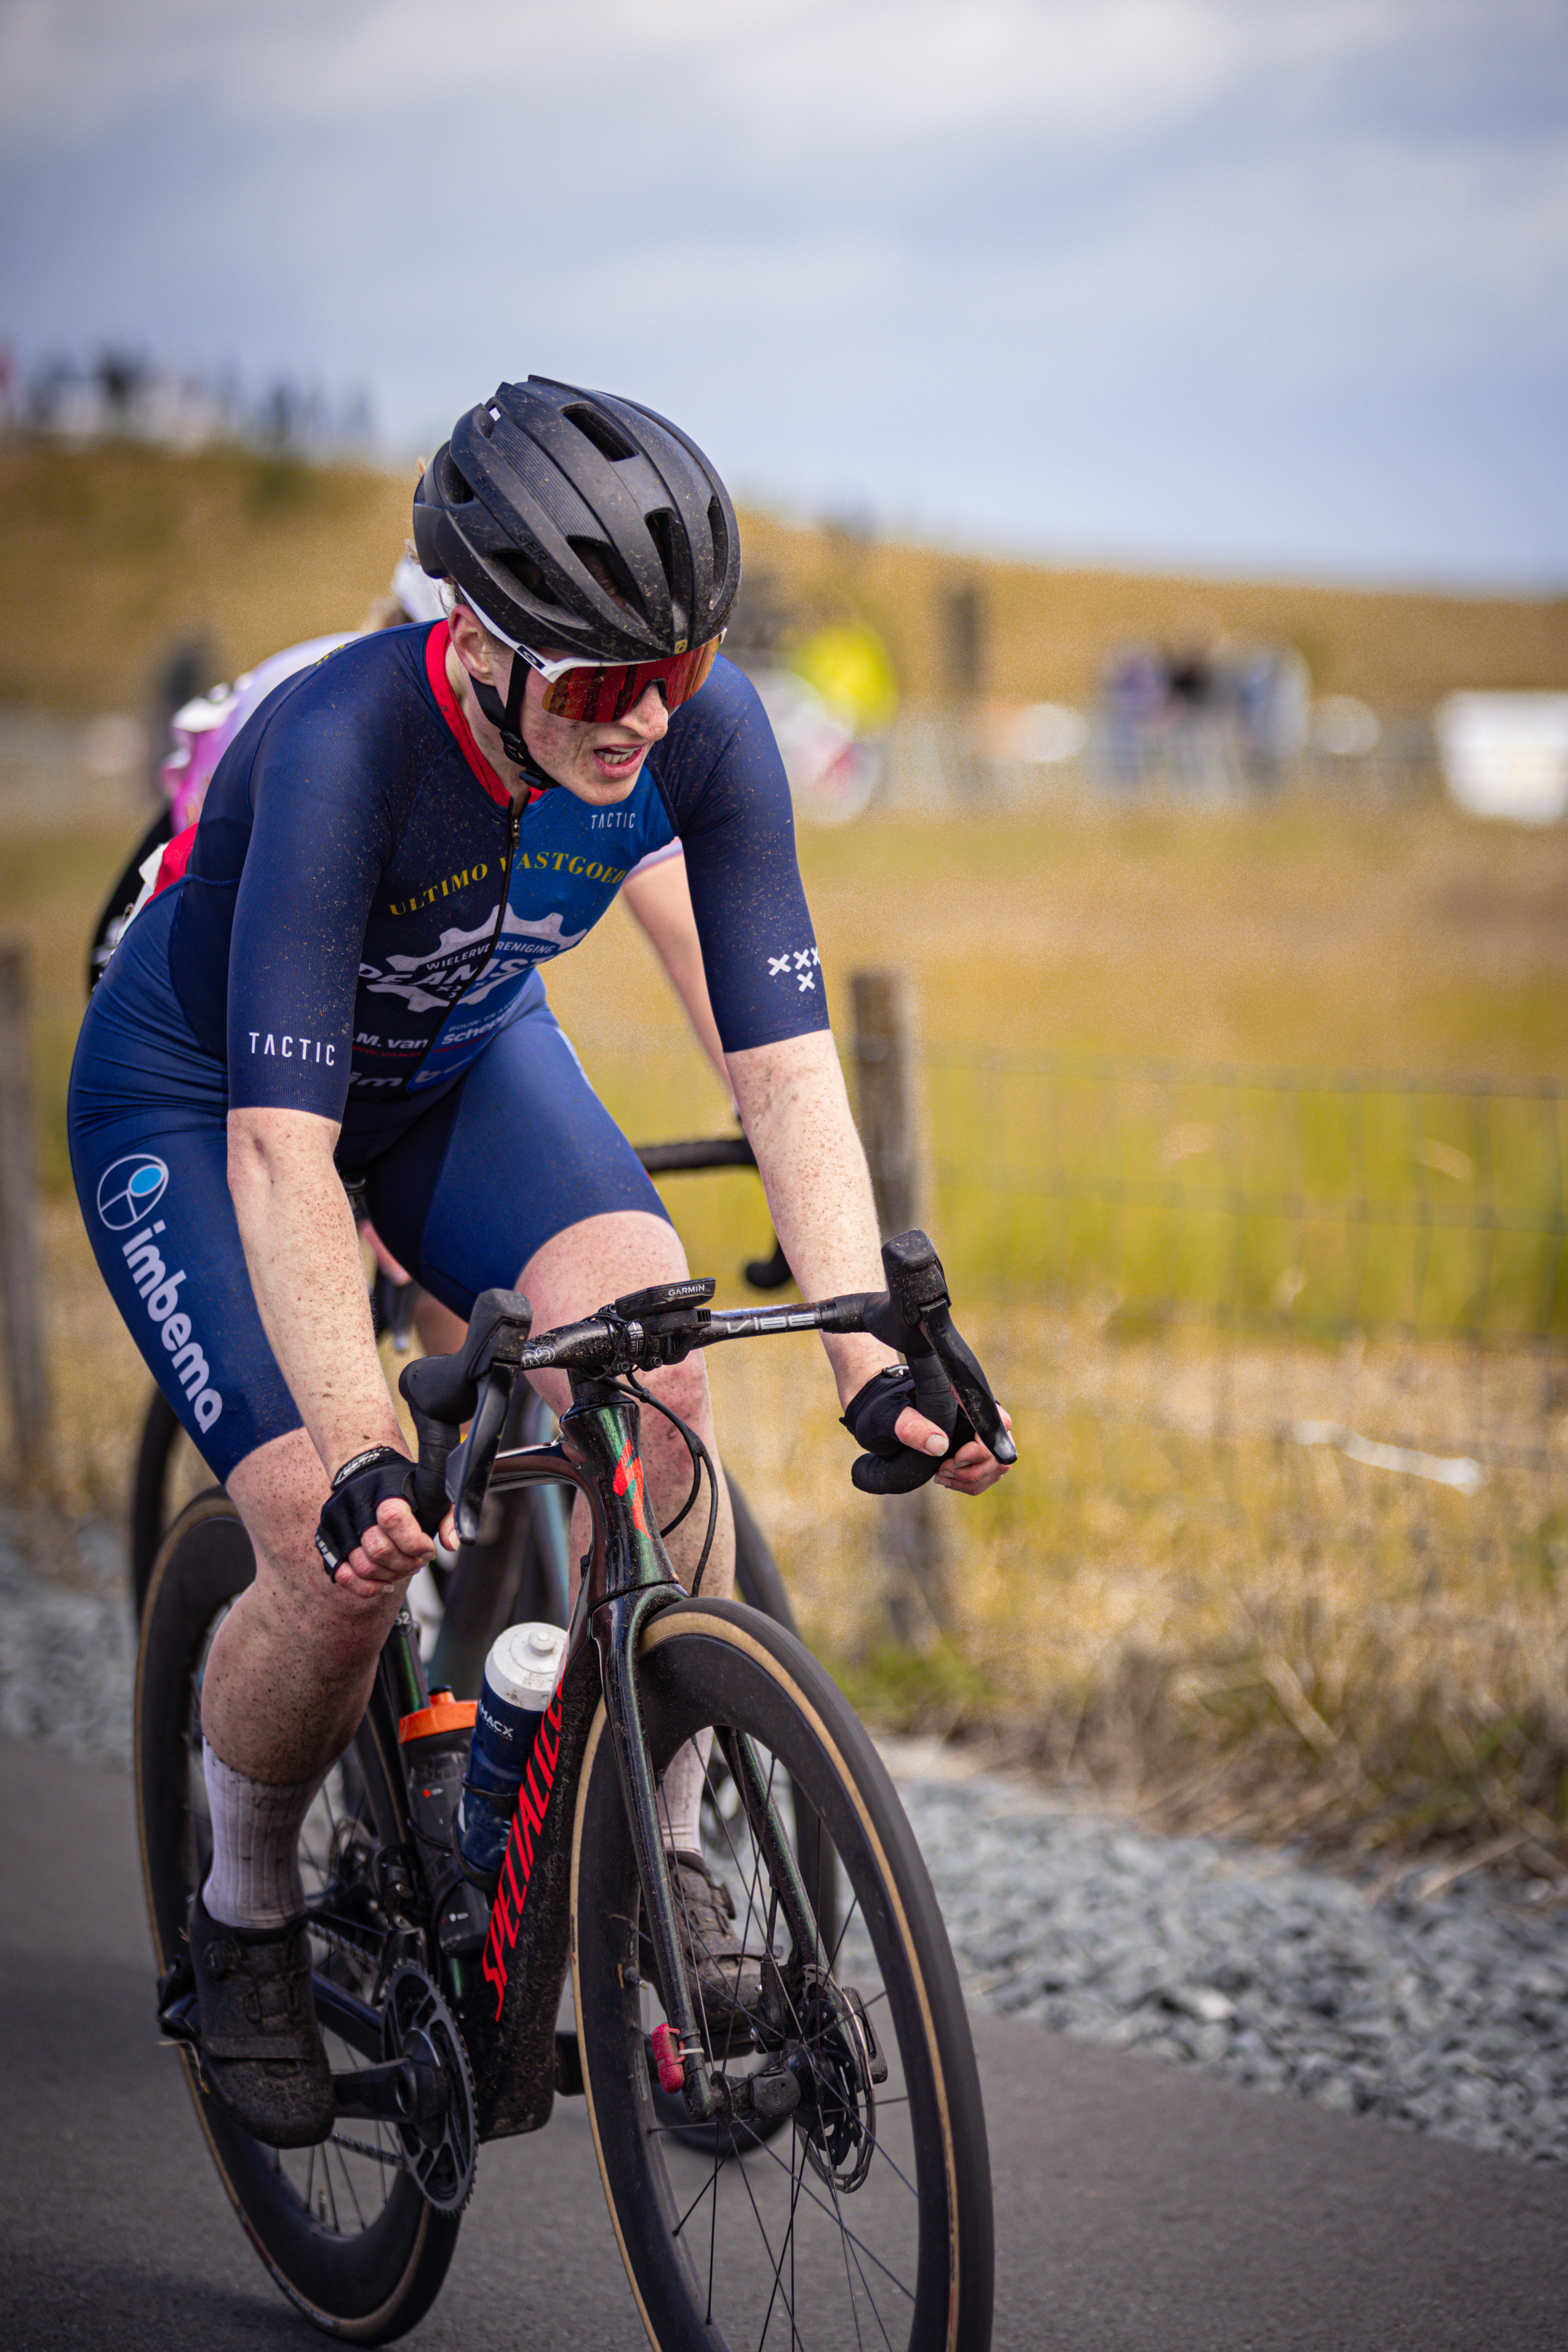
(125, 394)
(1203, 718)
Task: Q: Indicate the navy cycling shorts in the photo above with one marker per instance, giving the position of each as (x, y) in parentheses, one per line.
(514, 1152)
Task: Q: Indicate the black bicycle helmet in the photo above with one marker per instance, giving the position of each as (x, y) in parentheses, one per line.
(547, 492)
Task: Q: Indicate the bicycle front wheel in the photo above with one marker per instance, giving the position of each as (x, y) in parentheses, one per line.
(341, 2227)
(869, 2222)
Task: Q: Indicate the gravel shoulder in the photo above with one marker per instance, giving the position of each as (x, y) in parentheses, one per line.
(1443, 2011)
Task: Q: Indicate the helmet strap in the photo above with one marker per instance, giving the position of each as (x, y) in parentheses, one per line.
(506, 718)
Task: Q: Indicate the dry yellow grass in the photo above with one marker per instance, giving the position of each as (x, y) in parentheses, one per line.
(1242, 1621)
(121, 548)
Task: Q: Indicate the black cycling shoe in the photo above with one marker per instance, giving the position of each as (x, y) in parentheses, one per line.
(726, 1978)
(262, 2055)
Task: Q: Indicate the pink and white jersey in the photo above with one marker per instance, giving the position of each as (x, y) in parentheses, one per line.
(203, 730)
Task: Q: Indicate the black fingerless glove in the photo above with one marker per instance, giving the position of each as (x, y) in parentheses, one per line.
(887, 1467)
(365, 1481)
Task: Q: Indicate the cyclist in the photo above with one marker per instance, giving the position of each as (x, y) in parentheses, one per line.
(338, 975)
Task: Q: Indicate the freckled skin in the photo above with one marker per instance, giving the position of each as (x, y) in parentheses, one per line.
(291, 1668)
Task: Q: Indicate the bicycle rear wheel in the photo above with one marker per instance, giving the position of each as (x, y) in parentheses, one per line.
(869, 2220)
(344, 2230)
(169, 1473)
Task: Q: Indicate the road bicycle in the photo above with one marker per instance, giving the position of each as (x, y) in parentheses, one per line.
(819, 2175)
(517, 1571)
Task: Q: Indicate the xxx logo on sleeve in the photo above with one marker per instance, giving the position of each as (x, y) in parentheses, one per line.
(129, 1189)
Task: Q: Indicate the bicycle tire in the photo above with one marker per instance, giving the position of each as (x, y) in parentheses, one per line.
(720, 2249)
(369, 2284)
(759, 1584)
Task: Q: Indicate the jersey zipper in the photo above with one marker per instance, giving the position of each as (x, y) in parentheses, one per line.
(512, 826)
(514, 822)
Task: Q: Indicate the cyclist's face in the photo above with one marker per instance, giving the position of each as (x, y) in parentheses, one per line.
(597, 763)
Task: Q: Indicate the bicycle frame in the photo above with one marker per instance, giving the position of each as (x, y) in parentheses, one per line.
(508, 2007)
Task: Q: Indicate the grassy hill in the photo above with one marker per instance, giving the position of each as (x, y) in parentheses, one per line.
(113, 552)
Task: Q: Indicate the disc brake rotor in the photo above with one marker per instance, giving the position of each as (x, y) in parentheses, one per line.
(839, 2125)
(440, 2141)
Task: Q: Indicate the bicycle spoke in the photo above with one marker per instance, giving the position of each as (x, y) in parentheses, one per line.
(761, 2146)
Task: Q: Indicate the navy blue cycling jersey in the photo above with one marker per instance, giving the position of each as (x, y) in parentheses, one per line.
(361, 907)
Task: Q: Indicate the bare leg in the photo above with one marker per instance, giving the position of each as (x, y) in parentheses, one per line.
(294, 1662)
(581, 1269)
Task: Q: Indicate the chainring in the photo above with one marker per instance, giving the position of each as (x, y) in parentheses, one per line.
(441, 2149)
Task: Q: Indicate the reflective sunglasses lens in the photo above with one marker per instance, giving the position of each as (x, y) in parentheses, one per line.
(599, 694)
(576, 694)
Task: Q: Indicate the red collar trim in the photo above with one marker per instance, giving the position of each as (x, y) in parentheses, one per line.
(451, 710)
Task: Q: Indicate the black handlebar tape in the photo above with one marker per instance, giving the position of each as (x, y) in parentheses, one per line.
(899, 1476)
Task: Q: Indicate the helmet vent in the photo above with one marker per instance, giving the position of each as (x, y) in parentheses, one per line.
(719, 530)
(599, 563)
(597, 428)
(528, 575)
(660, 531)
(454, 487)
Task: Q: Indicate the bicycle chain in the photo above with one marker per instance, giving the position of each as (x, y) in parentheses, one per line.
(398, 2161)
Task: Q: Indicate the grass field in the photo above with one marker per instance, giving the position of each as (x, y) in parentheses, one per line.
(1170, 1591)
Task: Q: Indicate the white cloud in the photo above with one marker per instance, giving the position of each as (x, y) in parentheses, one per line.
(781, 217)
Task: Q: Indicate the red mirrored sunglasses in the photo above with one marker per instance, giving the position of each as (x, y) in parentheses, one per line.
(594, 693)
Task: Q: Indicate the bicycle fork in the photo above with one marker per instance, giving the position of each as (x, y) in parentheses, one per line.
(509, 2017)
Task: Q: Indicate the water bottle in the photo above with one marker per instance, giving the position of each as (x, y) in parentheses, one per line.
(521, 1676)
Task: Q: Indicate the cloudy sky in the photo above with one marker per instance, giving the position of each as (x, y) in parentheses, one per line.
(1279, 285)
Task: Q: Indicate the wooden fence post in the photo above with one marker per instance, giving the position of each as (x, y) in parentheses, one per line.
(21, 1287)
(964, 617)
(889, 1127)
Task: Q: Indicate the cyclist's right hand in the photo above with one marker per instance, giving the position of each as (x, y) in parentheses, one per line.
(904, 1447)
(368, 1535)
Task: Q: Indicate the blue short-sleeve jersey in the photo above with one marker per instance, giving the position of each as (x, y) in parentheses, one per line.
(363, 906)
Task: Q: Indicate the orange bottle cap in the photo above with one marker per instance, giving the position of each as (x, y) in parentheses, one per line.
(443, 1713)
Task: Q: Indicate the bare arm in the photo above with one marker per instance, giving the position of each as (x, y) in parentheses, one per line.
(304, 1262)
(661, 901)
(796, 1116)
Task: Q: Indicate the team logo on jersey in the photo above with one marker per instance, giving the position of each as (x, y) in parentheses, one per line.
(427, 982)
(129, 1189)
(801, 965)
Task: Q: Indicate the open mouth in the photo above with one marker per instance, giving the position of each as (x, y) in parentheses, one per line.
(618, 760)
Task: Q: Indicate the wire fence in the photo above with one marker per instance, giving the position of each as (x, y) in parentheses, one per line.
(1324, 1213)
(1288, 1357)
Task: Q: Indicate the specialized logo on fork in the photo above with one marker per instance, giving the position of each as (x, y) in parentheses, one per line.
(517, 1862)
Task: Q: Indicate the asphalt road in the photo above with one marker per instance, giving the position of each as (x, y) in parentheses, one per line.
(1140, 2209)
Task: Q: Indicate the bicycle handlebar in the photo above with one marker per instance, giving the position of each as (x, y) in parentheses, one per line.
(651, 1327)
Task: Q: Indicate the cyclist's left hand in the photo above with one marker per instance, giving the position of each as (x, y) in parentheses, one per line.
(392, 1546)
(389, 1553)
(971, 1469)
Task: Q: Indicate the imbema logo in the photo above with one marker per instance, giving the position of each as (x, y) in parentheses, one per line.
(129, 1188)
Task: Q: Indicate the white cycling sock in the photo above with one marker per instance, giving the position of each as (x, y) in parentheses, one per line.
(255, 1880)
(680, 1795)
